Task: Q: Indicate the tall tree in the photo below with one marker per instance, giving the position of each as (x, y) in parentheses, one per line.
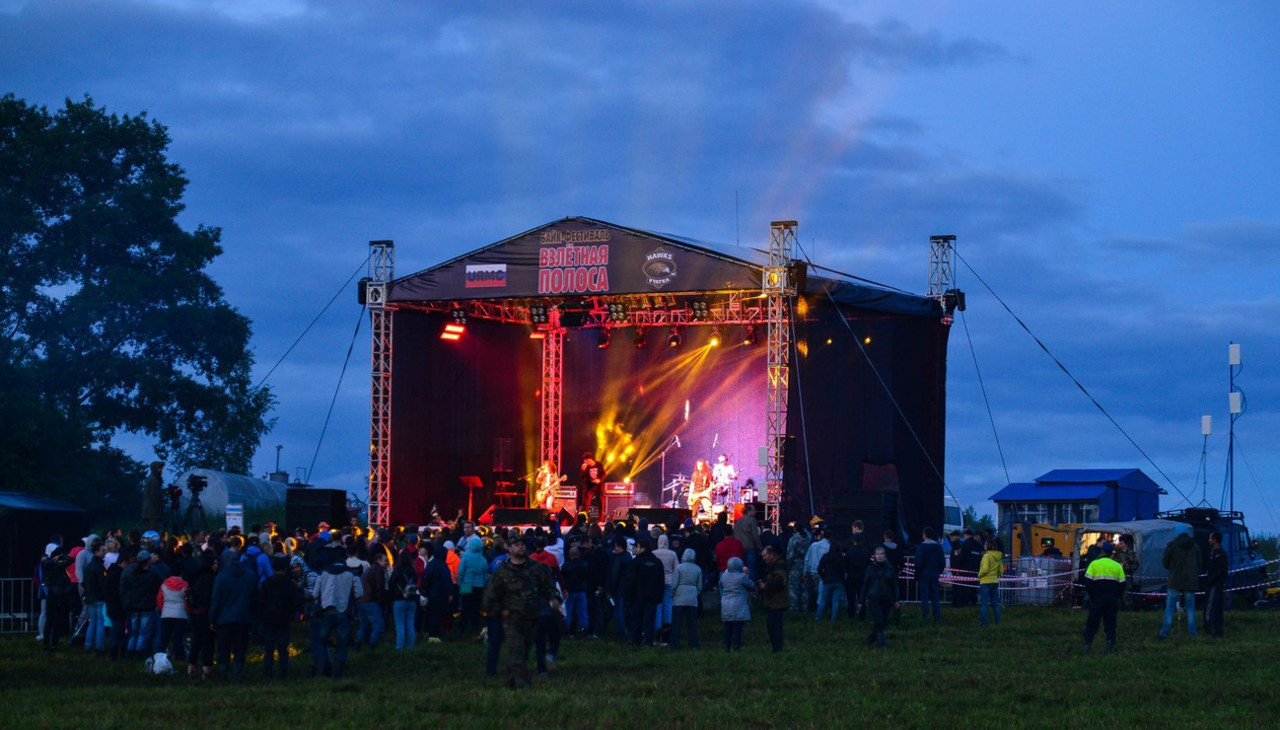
(105, 303)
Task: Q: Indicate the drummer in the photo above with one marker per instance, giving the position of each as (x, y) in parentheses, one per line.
(723, 475)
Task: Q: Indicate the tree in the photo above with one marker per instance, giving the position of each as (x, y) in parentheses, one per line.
(976, 523)
(108, 313)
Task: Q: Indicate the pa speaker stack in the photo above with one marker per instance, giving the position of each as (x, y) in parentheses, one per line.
(309, 507)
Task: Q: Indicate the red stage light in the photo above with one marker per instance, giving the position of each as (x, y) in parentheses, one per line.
(452, 332)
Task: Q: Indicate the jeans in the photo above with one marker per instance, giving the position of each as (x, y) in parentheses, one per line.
(201, 640)
(372, 625)
(1104, 611)
(470, 604)
(620, 616)
(773, 625)
(733, 635)
(575, 609)
(1171, 608)
(684, 616)
(546, 639)
(141, 628)
(275, 641)
(493, 638)
(336, 624)
(402, 617)
(833, 593)
(664, 610)
(750, 564)
(96, 635)
(1213, 610)
(989, 593)
(929, 590)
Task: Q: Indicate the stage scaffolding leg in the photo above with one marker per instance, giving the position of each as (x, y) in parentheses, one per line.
(552, 380)
(382, 267)
(778, 290)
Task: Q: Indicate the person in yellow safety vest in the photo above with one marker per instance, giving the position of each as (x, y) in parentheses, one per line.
(1105, 582)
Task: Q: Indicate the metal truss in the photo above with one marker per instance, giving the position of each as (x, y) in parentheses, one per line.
(722, 308)
(382, 269)
(778, 290)
(941, 264)
(552, 392)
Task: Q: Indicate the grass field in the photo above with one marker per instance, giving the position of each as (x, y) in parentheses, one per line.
(1029, 671)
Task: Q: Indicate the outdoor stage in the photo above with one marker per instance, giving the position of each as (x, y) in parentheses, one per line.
(583, 336)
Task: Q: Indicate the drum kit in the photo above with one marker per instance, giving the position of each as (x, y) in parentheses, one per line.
(724, 496)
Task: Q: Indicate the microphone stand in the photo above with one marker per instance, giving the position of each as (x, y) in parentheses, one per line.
(671, 442)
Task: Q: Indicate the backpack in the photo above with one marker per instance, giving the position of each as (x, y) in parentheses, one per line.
(409, 591)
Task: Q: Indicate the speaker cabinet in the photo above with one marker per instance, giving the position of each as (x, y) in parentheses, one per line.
(307, 508)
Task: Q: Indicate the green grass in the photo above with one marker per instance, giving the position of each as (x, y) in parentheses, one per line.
(1029, 671)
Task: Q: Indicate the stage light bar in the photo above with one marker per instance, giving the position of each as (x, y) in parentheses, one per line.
(750, 337)
(640, 339)
(459, 315)
(538, 314)
(617, 312)
(700, 309)
(453, 332)
(605, 338)
(674, 339)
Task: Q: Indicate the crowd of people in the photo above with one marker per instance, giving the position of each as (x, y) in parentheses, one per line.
(202, 598)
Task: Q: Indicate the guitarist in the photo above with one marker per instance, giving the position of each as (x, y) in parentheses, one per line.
(700, 486)
(546, 480)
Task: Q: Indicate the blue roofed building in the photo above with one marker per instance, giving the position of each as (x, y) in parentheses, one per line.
(1080, 495)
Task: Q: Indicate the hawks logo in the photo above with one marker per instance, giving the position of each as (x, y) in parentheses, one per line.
(659, 268)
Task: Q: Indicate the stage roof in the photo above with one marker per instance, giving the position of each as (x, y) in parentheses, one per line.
(580, 256)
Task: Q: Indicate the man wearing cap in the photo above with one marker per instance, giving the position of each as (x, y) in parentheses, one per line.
(516, 592)
(1104, 580)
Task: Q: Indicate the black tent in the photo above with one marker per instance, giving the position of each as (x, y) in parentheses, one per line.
(27, 521)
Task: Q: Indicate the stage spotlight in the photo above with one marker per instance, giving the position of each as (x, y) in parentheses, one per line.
(452, 332)
(700, 309)
(750, 338)
(459, 314)
(538, 314)
(617, 312)
(674, 339)
(605, 337)
(640, 340)
(715, 337)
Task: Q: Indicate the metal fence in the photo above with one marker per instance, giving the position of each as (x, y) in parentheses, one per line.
(19, 607)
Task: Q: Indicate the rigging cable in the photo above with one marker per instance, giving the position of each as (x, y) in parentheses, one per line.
(876, 371)
(804, 429)
(1079, 385)
(990, 416)
(336, 388)
(323, 309)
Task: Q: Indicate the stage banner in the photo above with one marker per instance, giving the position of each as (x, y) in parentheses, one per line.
(580, 257)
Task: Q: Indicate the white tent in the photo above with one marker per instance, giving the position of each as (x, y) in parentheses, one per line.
(254, 494)
(1150, 538)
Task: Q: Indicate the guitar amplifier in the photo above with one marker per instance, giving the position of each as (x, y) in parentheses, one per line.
(565, 493)
(618, 499)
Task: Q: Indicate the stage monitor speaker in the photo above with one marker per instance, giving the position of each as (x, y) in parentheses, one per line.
(511, 516)
(616, 506)
(661, 515)
(309, 507)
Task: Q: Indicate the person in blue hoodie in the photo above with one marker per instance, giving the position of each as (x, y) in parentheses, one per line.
(473, 573)
(258, 562)
(231, 615)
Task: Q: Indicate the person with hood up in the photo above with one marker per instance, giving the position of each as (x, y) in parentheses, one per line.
(473, 574)
(231, 615)
(775, 594)
(670, 561)
(989, 572)
(1182, 560)
(734, 609)
(171, 602)
(335, 593)
(685, 590)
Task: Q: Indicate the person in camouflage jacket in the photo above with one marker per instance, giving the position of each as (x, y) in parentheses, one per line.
(516, 592)
(797, 548)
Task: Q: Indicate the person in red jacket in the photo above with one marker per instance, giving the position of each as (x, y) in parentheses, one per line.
(729, 547)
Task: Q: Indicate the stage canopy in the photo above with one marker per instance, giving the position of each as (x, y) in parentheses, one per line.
(472, 405)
